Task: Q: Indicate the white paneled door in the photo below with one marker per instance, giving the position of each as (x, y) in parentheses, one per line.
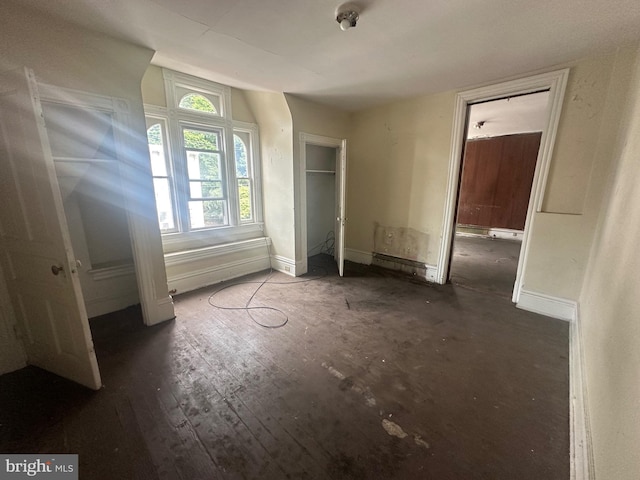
(35, 247)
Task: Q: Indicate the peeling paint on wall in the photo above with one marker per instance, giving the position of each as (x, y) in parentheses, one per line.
(401, 242)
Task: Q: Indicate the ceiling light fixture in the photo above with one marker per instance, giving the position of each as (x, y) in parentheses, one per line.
(347, 18)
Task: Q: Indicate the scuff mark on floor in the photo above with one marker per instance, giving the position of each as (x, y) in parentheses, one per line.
(333, 371)
(339, 375)
(420, 442)
(393, 428)
(369, 399)
(347, 383)
(396, 430)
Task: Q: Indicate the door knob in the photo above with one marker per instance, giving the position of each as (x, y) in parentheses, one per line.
(55, 269)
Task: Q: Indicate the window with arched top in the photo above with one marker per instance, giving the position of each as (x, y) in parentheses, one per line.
(162, 181)
(198, 102)
(241, 142)
(205, 166)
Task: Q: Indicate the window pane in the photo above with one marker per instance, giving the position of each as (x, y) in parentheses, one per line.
(240, 149)
(193, 101)
(201, 140)
(244, 193)
(203, 166)
(163, 203)
(156, 151)
(154, 135)
(198, 189)
(207, 213)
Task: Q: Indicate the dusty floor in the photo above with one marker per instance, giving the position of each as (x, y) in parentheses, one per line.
(372, 377)
(485, 264)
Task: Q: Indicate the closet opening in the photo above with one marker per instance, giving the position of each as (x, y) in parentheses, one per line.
(323, 165)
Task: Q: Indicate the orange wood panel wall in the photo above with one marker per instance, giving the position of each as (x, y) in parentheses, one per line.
(497, 174)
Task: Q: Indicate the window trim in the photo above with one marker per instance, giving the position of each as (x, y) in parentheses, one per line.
(183, 179)
(176, 118)
(175, 80)
(160, 114)
(254, 149)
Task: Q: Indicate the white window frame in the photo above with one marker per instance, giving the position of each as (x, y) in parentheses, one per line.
(162, 118)
(183, 238)
(253, 151)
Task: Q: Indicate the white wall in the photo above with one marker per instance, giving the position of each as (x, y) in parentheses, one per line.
(610, 307)
(396, 186)
(399, 157)
(276, 153)
(564, 230)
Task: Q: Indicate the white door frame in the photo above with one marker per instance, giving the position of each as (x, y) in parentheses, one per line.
(39, 266)
(556, 83)
(341, 176)
(135, 170)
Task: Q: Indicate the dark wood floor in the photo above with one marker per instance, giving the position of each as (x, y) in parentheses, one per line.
(373, 377)
(485, 264)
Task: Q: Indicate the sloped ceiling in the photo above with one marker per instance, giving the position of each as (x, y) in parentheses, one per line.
(399, 48)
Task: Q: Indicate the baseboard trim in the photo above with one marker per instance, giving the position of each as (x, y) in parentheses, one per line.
(581, 459)
(412, 267)
(548, 305)
(358, 256)
(506, 233)
(112, 303)
(284, 265)
(488, 232)
(215, 274)
(431, 273)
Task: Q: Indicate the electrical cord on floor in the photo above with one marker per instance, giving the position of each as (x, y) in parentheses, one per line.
(327, 246)
(248, 308)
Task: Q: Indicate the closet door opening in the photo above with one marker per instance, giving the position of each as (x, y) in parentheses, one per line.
(323, 191)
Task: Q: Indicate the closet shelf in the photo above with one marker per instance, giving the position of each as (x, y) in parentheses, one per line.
(322, 171)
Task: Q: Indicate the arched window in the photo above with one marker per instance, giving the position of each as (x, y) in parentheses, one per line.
(205, 165)
(200, 103)
(243, 175)
(160, 171)
(241, 156)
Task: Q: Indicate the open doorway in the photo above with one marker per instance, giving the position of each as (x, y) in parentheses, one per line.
(501, 149)
(323, 189)
(321, 200)
(556, 83)
(82, 139)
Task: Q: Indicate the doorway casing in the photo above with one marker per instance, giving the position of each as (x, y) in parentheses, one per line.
(341, 181)
(556, 83)
(155, 301)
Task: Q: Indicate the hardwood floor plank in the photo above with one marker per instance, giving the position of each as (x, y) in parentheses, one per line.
(373, 377)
